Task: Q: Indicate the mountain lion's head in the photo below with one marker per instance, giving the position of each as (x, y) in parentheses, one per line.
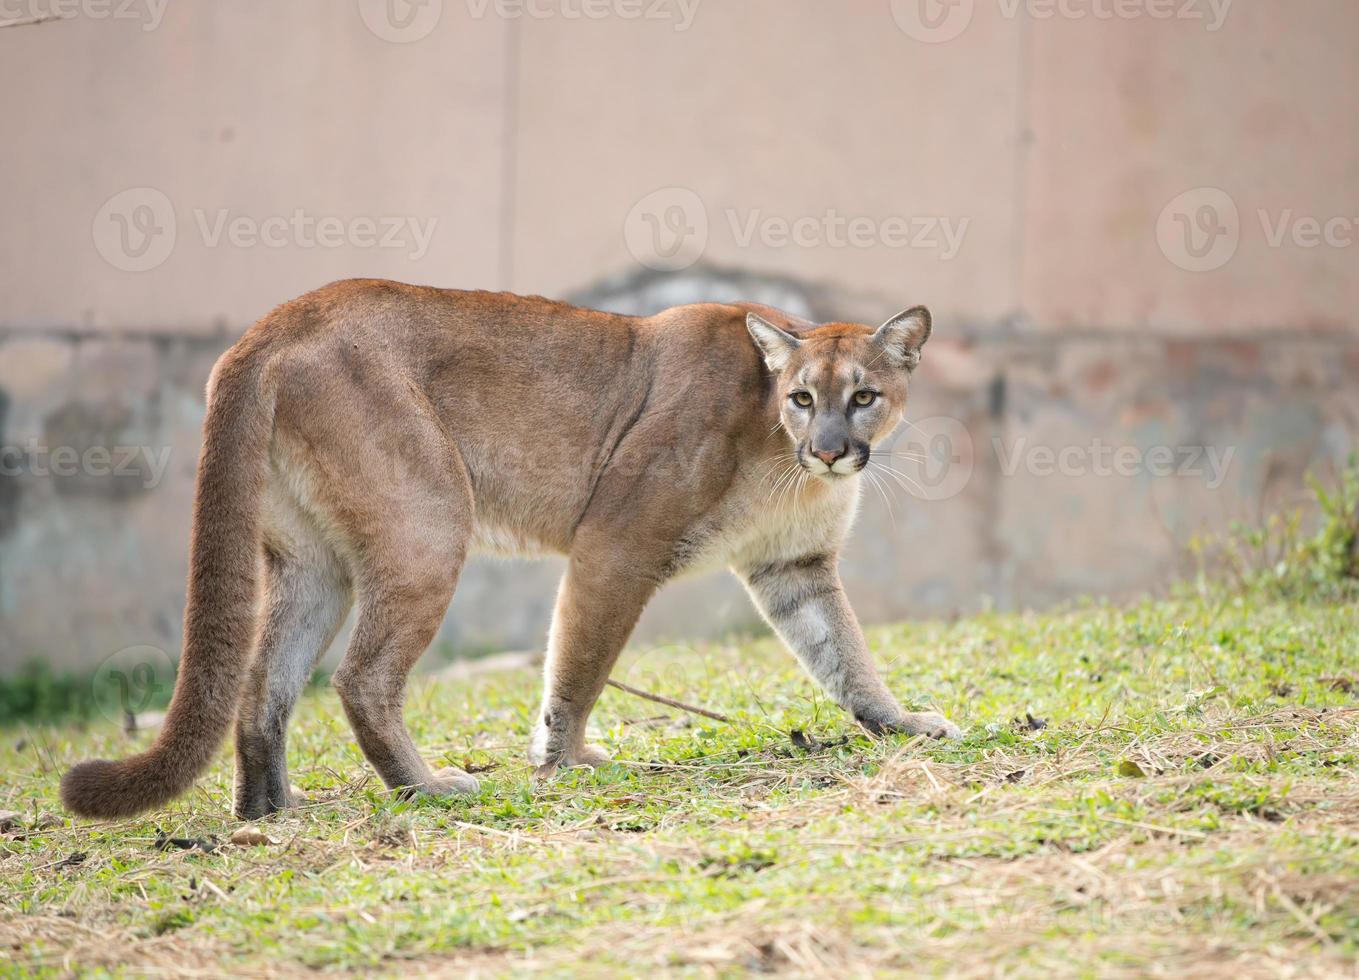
(841, 387)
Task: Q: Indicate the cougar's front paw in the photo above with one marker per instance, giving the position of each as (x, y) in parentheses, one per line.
(915, 723)
(930, 723)
(550, 749)
(449, 781)
(589, 755)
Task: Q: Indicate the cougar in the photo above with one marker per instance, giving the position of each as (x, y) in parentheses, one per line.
(362, 440)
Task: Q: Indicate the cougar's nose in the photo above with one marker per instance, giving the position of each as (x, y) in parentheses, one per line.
(829, 457)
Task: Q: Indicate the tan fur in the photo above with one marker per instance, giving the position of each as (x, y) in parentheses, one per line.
(362, 439)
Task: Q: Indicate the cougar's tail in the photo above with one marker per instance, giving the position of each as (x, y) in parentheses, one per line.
(219, 621)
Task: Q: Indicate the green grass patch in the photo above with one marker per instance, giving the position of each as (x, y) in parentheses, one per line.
(1169, 786)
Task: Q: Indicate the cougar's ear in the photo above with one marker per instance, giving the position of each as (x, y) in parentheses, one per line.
(776, 345)
(904, 335)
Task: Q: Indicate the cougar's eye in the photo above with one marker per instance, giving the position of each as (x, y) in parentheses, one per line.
(802, 399)
(865, 398)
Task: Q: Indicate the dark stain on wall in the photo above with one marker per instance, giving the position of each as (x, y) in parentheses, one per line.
(9, 478)
(996, 397)
(103, 455)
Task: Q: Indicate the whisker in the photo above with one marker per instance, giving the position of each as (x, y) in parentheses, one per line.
(877, 485)
(797, 494)
(788, 479)
(892, 471)
(774, 462)
(905, 482)
(785, 478)
(914, 457)
(874, 464)
(775, 482)
(917, 428)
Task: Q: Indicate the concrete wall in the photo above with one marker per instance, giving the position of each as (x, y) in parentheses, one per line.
(1137, 223)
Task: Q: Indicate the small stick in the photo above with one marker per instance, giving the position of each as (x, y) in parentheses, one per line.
(714, 715)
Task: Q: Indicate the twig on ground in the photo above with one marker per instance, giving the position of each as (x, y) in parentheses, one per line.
(659, 699)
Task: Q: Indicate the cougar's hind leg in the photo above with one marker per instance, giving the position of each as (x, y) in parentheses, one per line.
(400, 610)
(600, 599)
(409, 537)
(306, 599)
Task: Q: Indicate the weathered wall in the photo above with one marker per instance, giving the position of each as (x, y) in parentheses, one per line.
(95, 561)
(1136, 230)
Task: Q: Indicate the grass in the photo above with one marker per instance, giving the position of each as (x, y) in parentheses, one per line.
(1163, 789)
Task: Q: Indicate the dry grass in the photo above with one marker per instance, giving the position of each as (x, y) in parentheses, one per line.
(1183, 804)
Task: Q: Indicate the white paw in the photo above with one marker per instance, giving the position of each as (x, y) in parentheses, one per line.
(451, 781)
(929, 723)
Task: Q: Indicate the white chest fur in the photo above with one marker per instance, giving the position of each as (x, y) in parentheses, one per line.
(758, 530)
